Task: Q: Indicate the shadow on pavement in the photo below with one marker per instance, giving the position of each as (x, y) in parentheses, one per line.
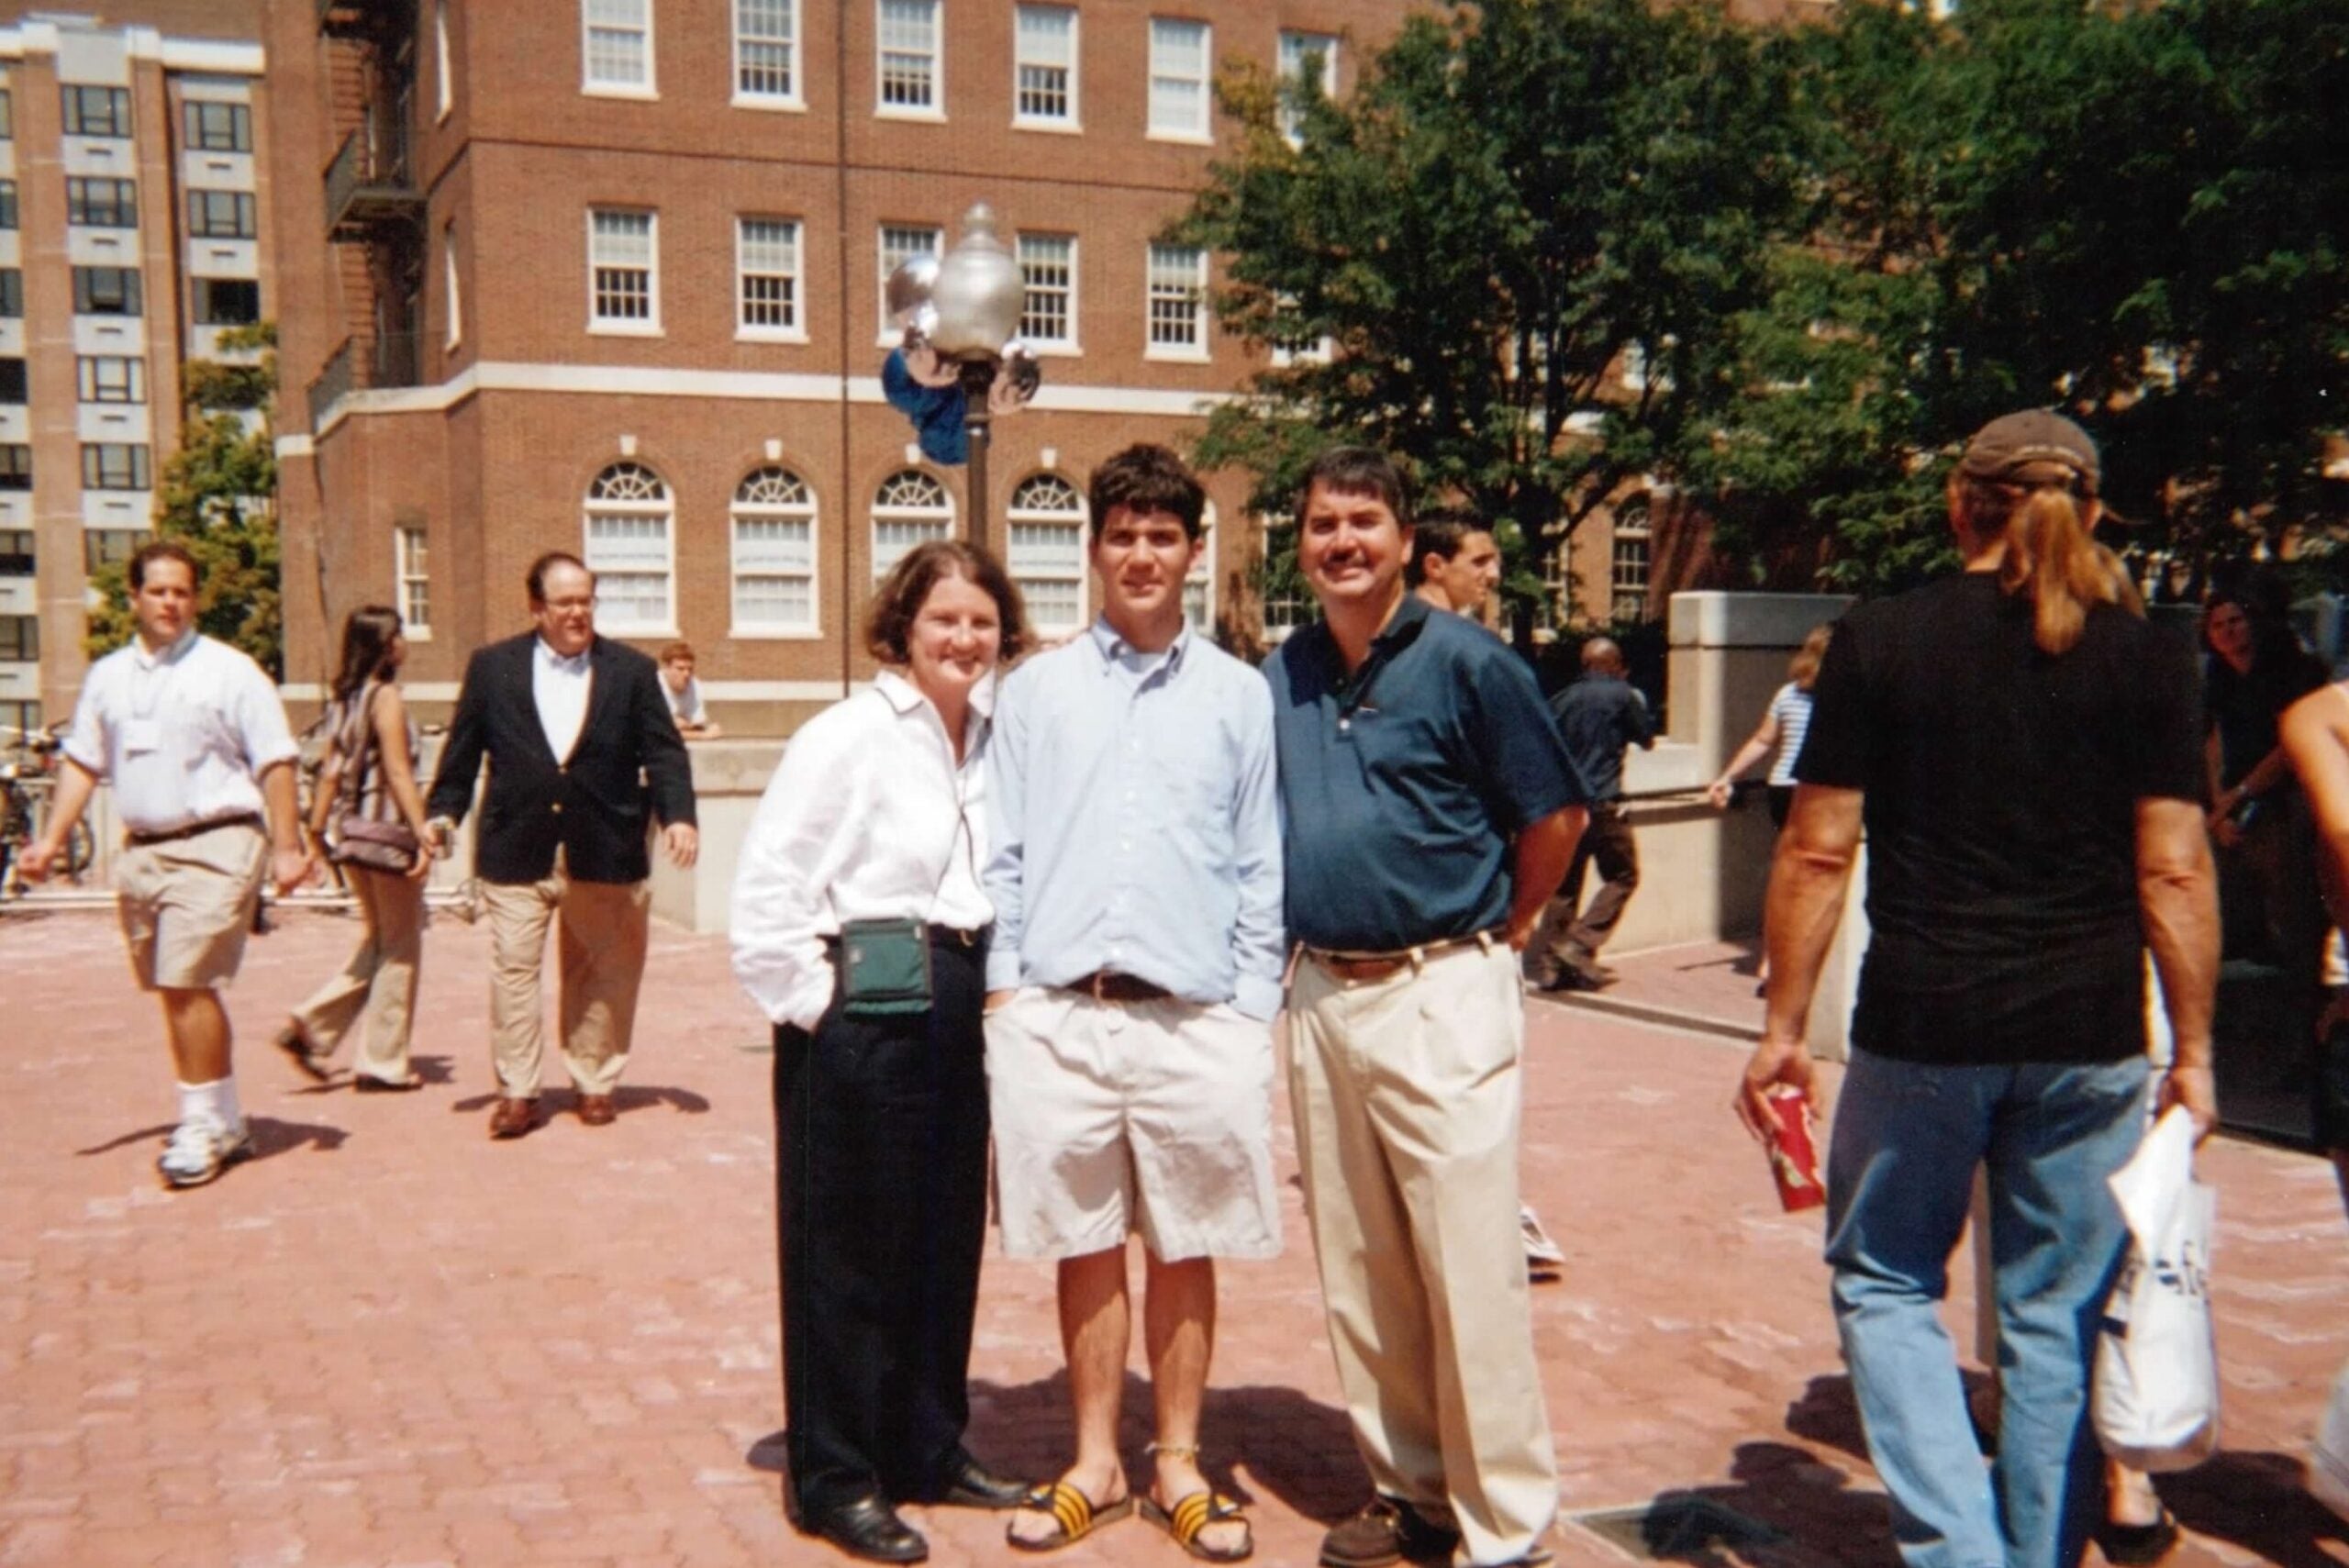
(625, 1098)
(270, 1137)
(1807, 1512)
(2260, 1502)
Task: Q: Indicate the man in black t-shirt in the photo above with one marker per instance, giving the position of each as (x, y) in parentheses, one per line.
(2024, 752)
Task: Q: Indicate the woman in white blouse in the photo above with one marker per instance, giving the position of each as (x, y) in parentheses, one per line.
(877, 815)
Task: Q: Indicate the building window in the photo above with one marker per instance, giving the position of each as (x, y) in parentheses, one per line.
(1048, 269)
(1199, 584)
(1043, 66)
(1179, 54)
(16, 467)
(12, 381)
(629, 511)
(21, 718)
(1628, 562)
(98, 111)
(224, 301)
(767, 51)
(411, 570)
(12, 293)
(20, 638)
(444, 85)
(102, 204)
(908, 57)
(456, 330)
(1048, 551)
(102, 548)
(1178, 284)
(8, 204)
(899, 243)
(218, 128)
(773, 517)
(220, 214)
(105, 291)
(1300, 52)
(623, 263)
(618, 46)
(910, 508)
(111, 378)
(7, 116)
(766, 265)
(16, 555)
(115, 465)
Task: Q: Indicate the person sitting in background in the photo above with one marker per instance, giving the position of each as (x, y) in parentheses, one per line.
(677, 684)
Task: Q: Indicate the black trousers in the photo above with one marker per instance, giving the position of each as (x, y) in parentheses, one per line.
(1566, 939)
(880, 1191)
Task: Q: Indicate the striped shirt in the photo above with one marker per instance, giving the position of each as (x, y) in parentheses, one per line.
(1791, 709)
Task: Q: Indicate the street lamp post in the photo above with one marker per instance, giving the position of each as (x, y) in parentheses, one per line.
(974, 308)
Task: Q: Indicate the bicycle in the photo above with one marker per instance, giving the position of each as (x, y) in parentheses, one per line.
(28, 784)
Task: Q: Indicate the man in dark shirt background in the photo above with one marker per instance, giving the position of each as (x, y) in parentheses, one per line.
(1599, 715)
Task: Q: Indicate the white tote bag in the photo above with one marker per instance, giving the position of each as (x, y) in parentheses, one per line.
(2329, 1460)
(2156, 1402)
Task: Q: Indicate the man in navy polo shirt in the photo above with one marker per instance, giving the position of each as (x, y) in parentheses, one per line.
(1430, 809)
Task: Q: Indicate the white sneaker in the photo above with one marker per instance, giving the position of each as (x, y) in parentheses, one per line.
(200, 1150)
(1540, 1252)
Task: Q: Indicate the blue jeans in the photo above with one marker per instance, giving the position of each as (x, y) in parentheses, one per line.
(1899, 1179)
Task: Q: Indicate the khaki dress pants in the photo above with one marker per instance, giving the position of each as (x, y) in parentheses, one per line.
(1407, 1096)
(377, 988)
(602, 944)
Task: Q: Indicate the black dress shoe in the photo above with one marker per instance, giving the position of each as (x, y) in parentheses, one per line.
(971, 1484)
(870, 1528)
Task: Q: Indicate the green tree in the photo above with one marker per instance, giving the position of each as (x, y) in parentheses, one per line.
(1518, 193)
(218, 498)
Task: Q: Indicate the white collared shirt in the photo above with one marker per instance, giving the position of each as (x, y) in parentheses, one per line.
(869, 818)
(560, 686)
(184, 734)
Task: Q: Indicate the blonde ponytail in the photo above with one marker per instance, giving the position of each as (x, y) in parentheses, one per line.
(2050, 556)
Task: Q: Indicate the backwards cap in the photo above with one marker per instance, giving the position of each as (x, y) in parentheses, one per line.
(2033, 448)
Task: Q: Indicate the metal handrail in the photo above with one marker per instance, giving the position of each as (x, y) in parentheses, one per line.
(332, 384)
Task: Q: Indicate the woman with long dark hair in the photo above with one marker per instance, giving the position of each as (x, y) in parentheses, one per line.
(860, 930)
(367, 790)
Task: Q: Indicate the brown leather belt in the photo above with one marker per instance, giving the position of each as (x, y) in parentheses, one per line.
(173, 834)
(1109, 985)
(1369, 966)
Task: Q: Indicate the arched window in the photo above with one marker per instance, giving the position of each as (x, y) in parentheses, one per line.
(1629, 561)
(631, 548)
(910, 508)
(1198, 588)
(1048, 551)
(773, 518)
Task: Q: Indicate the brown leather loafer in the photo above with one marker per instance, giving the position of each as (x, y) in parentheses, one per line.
(597, 1110)
(512, 1118)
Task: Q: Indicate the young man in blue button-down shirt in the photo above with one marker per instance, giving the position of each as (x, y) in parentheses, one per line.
(1132, 977)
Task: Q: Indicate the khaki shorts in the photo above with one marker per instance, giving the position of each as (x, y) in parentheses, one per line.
(186, 904)
(1111, 1120)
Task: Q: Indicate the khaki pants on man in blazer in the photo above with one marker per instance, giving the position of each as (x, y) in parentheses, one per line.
(601, 946)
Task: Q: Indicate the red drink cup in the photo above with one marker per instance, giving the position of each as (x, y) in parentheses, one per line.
(1794, 1158)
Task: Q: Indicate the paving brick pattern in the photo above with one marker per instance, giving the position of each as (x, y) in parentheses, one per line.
(388, 1341)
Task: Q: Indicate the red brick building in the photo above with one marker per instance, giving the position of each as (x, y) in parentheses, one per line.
(134, 215)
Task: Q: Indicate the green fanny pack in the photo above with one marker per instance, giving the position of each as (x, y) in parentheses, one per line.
(885, 968)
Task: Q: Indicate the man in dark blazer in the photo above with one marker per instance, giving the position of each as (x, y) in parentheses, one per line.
(580, 744)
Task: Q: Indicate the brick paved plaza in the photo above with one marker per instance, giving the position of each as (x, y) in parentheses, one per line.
(390, 1341)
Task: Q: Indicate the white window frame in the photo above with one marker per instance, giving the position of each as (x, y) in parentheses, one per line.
(890, 257)
(626, 326)
(90, 382)
(890, 506)
(1200, 130)
(443, 87)
(1200, 578)
(1191, 354)
(758, 510)
(412, 581)
(1295, 45)
(793, 330)
(1067, 344)
(1074, 120)
(648, 88)
(936, 108)
(455, 333)
(1632, 526)
(796, 98)
(1024, 514)
(662, 508)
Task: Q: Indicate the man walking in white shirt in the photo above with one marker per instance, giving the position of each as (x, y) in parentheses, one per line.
(192, 736)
